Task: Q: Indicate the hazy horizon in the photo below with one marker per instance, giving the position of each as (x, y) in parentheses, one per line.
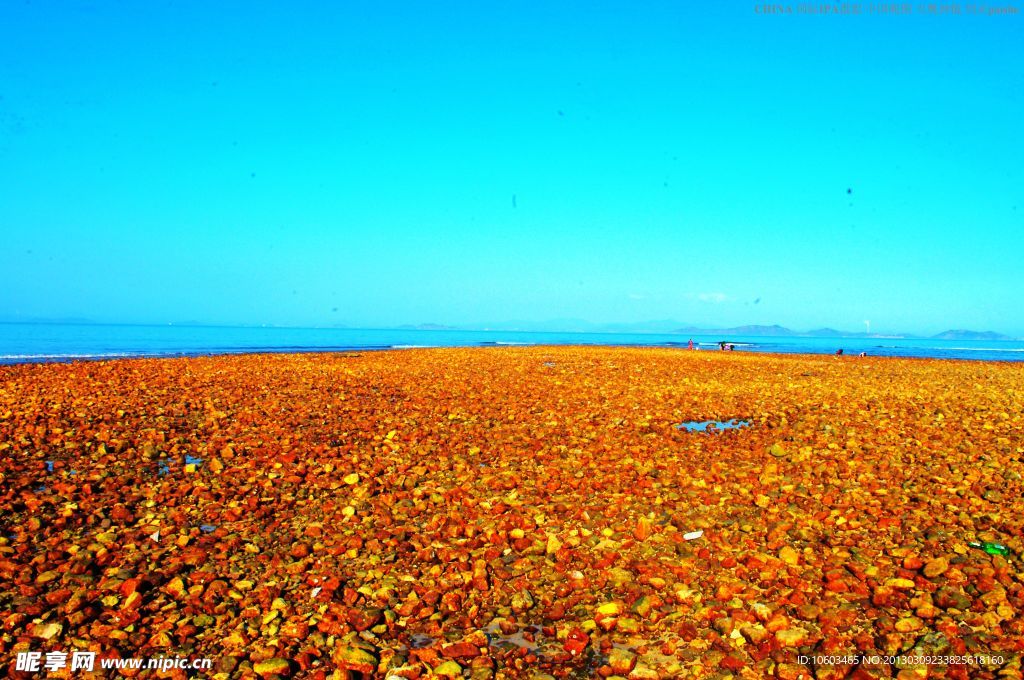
(388, 164)
(569, 325)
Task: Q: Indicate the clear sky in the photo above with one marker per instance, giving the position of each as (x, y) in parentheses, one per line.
(378, 163)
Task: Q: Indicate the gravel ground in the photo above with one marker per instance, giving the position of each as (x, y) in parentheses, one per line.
(521, 512)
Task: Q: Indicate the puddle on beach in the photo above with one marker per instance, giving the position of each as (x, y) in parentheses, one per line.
(164, 466)
(713, 425)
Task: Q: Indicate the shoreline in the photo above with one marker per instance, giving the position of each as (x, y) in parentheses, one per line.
(43, 359)
(25, 343)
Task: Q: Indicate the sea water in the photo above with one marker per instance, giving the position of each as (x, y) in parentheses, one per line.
(21, 343)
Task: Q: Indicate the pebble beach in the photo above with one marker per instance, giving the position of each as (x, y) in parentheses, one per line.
(517, 512)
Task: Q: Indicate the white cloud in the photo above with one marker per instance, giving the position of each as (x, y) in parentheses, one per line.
(712, 297)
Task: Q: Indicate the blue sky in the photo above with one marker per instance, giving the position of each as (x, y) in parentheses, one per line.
(377, 163)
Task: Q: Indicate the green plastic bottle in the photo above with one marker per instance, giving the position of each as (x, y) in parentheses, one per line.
(991, 548)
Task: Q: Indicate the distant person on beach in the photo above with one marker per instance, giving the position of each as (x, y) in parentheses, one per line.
(732, 348)
(689, 345)
(721, 345)
(839, 352)
(863, 354)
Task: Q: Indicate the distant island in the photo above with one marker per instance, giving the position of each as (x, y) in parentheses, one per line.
(675, 328)
(775, 330)
(780, 331)
(970, 335)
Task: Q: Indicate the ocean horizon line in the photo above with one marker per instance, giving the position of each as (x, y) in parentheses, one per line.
(22, 343)
(822, 333)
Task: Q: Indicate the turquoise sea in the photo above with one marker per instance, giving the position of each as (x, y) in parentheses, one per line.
(37, 342)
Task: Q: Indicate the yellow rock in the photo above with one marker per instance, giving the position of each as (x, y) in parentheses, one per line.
(234, 641)
(160, 640)
(789, 555)
(272, 667)
(352, 478)
(791, 637)
(175, 588)
(133, 601)
(47, 576)
(554, 545)
(357, 656)
(449, 669)
(621, 661)
(936, 567)
(909, 624)
(47, 630)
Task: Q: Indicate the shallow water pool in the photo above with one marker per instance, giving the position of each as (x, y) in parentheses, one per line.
(713, 425)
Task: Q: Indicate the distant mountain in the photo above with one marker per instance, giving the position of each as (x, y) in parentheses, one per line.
(970, 335)
(669, 326)
(776, 331)
(828, 333)
(763, 330)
